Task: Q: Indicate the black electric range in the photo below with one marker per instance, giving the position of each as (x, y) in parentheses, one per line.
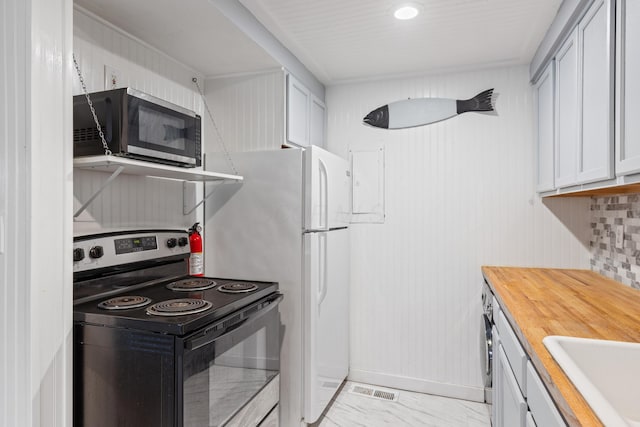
(157, 338)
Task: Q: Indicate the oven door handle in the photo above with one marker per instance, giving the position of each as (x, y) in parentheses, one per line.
(210, 335)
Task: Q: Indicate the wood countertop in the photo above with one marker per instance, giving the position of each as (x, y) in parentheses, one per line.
(579, 303)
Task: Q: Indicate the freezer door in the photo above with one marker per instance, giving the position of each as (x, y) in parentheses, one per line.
(326, 318)
(327, 190)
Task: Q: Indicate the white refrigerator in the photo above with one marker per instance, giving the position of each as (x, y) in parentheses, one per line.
(288, 222)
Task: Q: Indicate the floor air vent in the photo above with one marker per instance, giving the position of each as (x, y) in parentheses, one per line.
(374, 392)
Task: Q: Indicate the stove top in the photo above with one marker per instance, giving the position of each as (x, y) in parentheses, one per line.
(163, 311)
(137, 280)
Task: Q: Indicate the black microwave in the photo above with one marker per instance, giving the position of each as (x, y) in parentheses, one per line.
(137, 125)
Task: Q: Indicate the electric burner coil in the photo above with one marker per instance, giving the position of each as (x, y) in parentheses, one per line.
(179, 307)
(124, 302)
(237, 287)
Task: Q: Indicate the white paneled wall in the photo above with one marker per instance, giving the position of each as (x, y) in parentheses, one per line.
(459, 194)
(130, 201)
(35, 213)
(249, 111)
(15, 349)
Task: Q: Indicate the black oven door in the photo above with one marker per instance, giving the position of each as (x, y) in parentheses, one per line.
(158, 131)
(227, 364)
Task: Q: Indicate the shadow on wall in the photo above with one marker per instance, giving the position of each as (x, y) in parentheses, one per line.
(574, 213)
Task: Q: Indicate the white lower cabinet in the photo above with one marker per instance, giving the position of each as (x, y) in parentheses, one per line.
(542, 407)
(496, 419)
(512, 411)
(520, 398)
(515, 353)
(271, 420)
(530, 421)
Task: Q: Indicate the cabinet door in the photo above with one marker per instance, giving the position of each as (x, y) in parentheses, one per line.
(595, 146)
(545, 110)
(514, 407)
(496, 384)
(566, 123)
(317, 122)
(540, 403)
(628, 87)
(530, 421)
(298, 101)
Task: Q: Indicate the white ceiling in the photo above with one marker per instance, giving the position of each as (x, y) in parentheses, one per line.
(192, 31)
(340, 40)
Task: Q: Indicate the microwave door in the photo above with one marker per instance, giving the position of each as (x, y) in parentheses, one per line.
(158, 132)
(326, 318)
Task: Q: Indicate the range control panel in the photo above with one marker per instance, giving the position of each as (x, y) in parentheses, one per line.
(110, 249)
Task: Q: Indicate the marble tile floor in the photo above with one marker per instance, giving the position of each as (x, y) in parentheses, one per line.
(411, 410)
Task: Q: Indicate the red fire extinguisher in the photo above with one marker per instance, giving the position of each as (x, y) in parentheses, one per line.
(196, 261)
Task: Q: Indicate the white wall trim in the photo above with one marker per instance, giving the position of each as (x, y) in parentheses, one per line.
(475, 394)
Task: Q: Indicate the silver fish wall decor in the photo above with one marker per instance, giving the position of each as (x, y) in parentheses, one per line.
(423, 111)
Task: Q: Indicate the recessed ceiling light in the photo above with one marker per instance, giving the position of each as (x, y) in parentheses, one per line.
(406, 11)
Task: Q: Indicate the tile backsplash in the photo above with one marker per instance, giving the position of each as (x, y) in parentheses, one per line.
(619, 262)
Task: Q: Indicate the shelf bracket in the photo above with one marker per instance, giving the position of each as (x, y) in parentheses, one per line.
(100, 190)
(185, 206)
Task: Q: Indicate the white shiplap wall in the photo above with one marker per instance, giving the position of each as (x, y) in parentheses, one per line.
(15, 332)
(459, 194)
(35, 204)
(131, 201)
(249, 111)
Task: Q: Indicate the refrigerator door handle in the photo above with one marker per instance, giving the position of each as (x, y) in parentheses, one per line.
(322, 270)
(324, 195)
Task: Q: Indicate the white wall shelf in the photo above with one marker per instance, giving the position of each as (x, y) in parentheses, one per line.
(120, 165)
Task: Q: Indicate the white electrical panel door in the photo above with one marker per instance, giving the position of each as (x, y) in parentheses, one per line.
(627, 87)
(326, 318)
(327, 185)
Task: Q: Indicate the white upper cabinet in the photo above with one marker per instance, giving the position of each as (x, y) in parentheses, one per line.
(575, 97)
(298, 117)
(595, 141)
(567, 112)
(545, 110)
(317, 122)
(628, 87)
(306, 115)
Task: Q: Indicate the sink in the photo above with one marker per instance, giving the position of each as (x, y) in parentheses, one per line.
(606, 373)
